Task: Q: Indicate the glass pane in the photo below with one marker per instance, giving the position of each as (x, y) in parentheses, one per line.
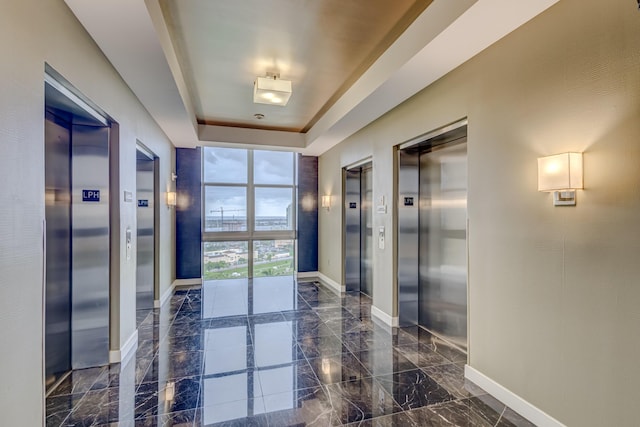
(272, 258)
(226, 260)
(225, 208)
(273, 167)
(274, 209)
(225, 165)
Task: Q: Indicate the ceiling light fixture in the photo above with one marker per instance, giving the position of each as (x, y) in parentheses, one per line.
(271, 90)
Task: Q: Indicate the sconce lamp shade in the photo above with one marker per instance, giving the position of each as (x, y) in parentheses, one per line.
(171, 199)
(560, 172)
(271, 91)
(326, 202)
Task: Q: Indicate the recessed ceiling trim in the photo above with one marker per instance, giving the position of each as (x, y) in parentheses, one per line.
(258, 137)
(464, 38)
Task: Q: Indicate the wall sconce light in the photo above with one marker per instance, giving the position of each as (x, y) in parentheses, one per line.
(562, 175)
(326, 202)
(171, 199)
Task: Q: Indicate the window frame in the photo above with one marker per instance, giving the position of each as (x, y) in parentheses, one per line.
(250, 234)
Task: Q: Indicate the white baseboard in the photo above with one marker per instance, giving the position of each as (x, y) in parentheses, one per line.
(166, 296)
(383, 317)
(126, 351)
(512, 400)
(331, 283)
(308, 275)
(187, 282)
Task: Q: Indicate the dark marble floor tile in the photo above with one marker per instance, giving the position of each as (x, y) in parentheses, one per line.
(98, 408)
(287, 378)
(338, 368)
(302, 315)
(449, 352)
(172, 419)
(191, 327)
(241, 413)
(302, 330)
(186, 343)
(322, 346)
(78, 381)
(58, 408)
(367, 340)
(266, 318)
(384, 361)
(110, 377)
(172, 396)
(142, 368)
(188, 315)
(451, 377)
(307, 407)
(349, 325)
(360, 400)
(511, 418)
(147, 349)
(333, 313)
(414, 389)
(422, 355)
(175, 365)
(450, 414)
(400, 419)
(495, 412)
(360, 311)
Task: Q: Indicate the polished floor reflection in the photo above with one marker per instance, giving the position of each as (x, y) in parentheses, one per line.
(273, 352)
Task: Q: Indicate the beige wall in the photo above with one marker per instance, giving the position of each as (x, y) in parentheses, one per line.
(554, 292)
(33, 32)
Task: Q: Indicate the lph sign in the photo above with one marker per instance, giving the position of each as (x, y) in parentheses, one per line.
(90, 195)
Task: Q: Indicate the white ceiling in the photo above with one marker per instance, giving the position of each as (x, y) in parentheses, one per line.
(192, 62)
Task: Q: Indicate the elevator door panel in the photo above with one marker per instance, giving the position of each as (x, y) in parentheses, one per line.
(58, 248)
(145, 234)
(366, 231)
(352, 229)
(408, 237)
(443, 244)
(90, 243)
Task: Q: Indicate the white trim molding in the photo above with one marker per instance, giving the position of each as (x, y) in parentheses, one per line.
(187, 282)
(512, 400)
(308, 275)
(166, 296)
(331, 283)
(126, 351)
(380, 315)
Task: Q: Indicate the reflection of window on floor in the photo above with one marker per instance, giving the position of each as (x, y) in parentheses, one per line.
(239, 370)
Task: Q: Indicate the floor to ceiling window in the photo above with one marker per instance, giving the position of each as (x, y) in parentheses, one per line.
(249, 213)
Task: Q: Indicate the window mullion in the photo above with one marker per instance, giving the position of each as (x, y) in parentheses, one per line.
(251, 214)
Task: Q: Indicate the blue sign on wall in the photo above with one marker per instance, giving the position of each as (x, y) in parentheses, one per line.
(90, 195)
(143, 203)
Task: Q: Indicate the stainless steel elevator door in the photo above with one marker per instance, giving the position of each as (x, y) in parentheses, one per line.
(366, 231)
(443, 241)
(58, 248)
(352, 229)
(408, 236)
(90, 246)
(145, 231)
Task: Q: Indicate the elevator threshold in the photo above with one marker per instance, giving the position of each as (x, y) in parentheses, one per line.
(446, 341)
